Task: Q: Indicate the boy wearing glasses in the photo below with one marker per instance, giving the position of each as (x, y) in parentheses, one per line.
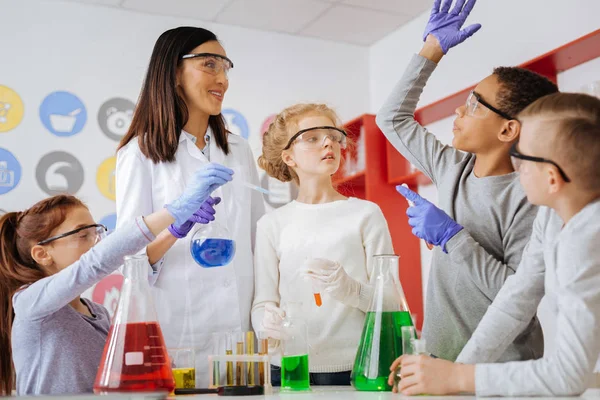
(484, 219)
(556, 158)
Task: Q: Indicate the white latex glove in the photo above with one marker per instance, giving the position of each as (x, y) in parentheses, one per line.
(272, 324)
(333, 279)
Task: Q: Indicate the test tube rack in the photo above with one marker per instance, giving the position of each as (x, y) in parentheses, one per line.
(244, 364)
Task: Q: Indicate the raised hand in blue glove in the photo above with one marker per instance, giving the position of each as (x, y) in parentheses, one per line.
(446, 25)
(206, 180)
(204, 215)
(429, 222)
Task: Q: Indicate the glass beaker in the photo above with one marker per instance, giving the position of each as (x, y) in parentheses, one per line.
(135, 357)
(295, 375)
(381, 340)
(183, 365)
(212, 246)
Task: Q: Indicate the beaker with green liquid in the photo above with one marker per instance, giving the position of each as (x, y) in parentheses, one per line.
(295, 375)
(381, 340)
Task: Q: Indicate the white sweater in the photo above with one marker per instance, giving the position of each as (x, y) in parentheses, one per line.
(562, 263)
(349, 232)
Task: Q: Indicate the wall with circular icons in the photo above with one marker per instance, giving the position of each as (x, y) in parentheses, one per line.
(107, 292)
(59, 172)
(63, 114)
(11, 109)
(10, 171)
(236, 122)
(114, 117)
(109, 221)
(105, 178)
(76, 154)
(264, 127)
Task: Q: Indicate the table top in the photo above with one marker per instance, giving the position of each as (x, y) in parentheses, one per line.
(318, 392)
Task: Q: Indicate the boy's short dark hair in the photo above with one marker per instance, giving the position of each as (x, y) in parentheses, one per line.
(574, 134)
(519, 87)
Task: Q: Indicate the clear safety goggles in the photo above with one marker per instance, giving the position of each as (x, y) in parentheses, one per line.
(210, 63)
(88, 235)
(478, 108)
(314, 138)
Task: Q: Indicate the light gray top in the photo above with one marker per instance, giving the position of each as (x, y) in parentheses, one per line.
(497, 222)
(562, 263)
(57, 350)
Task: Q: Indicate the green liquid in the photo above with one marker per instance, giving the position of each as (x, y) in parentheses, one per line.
(294, 373)
(380, 345)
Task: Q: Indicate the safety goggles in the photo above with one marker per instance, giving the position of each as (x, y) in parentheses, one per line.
(479, 108)
(89, 235)
(210, 63)
(517, 158)
(314, 138)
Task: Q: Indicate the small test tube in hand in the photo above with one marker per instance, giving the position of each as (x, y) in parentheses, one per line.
(316, 294)
(410, 203)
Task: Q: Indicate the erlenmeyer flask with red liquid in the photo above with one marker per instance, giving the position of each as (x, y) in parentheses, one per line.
(135, 357)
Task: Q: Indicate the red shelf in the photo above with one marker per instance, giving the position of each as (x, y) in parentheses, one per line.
(415, 179)
(352, 179)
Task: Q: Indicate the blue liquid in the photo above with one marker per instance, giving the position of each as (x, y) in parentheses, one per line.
(209, 253)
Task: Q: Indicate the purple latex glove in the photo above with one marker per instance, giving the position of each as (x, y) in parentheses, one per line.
(446, 25)
(429, 222)
(204, 215)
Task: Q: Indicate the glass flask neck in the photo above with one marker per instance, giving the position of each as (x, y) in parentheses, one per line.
(136, 268)
(386, 266)
(387, 294)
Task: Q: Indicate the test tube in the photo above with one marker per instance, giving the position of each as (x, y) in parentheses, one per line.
(218, 344)
(229, 352)
(316, 294)
(239, 366)
(410, 203)
(250, 351)
(409, 334)
(263, 350)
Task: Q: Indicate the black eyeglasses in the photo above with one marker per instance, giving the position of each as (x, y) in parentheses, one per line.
(472, 106)
(99, 232)
(519, 156)
(317, 136)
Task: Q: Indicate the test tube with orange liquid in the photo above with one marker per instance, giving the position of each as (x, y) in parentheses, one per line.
(316, 295)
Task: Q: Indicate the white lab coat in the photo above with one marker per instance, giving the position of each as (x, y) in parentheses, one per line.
(193, 302)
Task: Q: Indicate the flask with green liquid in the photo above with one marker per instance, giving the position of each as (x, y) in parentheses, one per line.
(381, 340)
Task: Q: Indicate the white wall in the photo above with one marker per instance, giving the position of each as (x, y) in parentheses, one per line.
(514, 31)
(98, 53)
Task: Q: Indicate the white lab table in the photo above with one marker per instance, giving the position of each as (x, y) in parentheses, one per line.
(319, 393)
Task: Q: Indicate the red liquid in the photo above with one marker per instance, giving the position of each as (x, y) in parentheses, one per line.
(137, 360)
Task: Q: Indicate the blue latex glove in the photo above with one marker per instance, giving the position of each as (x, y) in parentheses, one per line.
(204, 215)
(206, 180)
(429, 222)
(446, 25)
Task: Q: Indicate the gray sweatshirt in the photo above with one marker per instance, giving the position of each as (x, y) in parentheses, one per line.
(563, 264)
(494, 212)
(57, 350)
